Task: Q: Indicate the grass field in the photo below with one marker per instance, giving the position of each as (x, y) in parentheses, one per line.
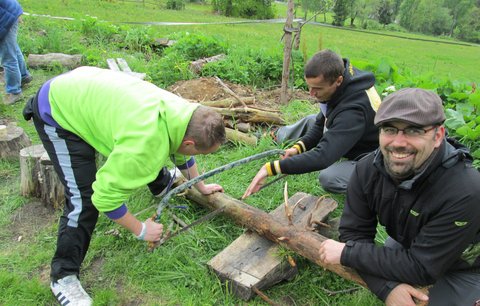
(421, 57)
(118, 270)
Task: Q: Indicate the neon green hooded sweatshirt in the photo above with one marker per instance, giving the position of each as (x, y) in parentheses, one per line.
(137, 125)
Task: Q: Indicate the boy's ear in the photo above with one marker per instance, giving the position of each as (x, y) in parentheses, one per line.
(188, 142)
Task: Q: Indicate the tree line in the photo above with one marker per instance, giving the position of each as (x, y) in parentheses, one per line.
(453, 18)
(458, 19)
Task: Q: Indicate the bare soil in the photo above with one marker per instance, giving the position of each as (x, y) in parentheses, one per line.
(28, 220)
(208, 89)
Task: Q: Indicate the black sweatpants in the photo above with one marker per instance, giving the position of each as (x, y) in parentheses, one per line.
(74, 162)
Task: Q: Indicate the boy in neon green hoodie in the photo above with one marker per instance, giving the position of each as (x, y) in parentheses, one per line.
(138, 127)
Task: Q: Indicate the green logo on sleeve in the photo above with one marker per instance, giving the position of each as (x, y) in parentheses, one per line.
(414, 213)
(461, 223)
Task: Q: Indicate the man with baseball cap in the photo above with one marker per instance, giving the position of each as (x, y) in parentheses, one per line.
(421, 186)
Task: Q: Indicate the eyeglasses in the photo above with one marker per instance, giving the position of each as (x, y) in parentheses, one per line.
(410, 131)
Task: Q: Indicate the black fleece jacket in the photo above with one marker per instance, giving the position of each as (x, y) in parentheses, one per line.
(434, 216)
(346, 130)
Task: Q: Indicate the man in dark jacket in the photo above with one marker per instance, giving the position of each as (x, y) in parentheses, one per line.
(343, 128)
(422, 188)
(15, 70)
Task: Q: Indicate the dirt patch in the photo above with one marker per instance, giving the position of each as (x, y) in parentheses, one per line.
(208, 89)
(29, 220)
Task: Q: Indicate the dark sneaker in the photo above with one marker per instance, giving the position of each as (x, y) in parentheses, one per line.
(26, 80)
(12, 98)
(69, 291)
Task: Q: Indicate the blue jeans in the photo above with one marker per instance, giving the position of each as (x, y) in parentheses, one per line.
(12, 61)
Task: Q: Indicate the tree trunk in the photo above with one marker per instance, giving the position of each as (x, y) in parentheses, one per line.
(229, 102)
(287, 52)
(50, 59)
(303, 242)
(251, 115)
(12, 140)
(197, 66)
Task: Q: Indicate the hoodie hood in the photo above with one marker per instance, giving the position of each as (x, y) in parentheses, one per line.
(354, 81)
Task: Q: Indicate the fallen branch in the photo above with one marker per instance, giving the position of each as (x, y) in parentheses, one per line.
(229, 91)
(229, 102)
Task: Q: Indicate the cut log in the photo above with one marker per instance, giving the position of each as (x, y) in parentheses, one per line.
(196, 66)
(51, 59)
(30, 170)
(251, 115)
(229, 102)
(243, 126)
(12, 140)
(304, 242)
(164, 42)
(52, 192)
(234, 135)
(252, 261)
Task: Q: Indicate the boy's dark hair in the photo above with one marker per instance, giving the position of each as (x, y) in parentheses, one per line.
(206, 128)
(325, 63)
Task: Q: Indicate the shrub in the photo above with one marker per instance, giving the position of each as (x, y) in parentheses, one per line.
(176, 4)
(253, 9)
(195, 46)
(98, 32)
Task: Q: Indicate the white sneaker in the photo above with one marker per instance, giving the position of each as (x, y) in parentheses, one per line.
(69, 291)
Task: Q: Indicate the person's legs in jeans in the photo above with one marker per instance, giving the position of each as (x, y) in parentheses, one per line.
(9, 54)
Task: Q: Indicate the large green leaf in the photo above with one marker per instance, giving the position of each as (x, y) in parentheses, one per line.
(454, 119)
(474, 99)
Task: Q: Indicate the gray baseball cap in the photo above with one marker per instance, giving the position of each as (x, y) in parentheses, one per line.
(413, 105)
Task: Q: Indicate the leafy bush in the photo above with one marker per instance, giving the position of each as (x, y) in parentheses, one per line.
(169, 69)
(192, 46)
(139, 39)
(99, 32)
(247, 66)
(252, 9)
(176, 4)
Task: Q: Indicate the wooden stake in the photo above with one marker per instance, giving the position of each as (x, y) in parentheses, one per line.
(287, 51)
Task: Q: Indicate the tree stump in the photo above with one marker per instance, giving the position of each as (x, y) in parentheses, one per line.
(30, 170)
(52, 192)
(38, 177)
(12, 140)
